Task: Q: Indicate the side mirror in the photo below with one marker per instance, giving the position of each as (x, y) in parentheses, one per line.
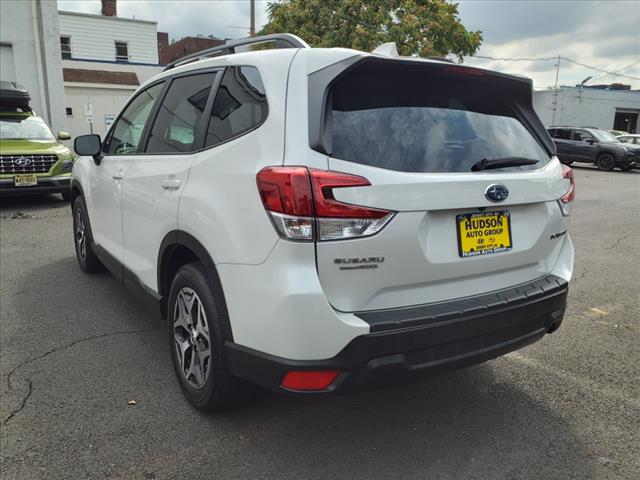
(89, 145)
(64, 135)
(591, 141)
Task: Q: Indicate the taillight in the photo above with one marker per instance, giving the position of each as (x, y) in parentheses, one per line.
(302, 206)
(566, 201)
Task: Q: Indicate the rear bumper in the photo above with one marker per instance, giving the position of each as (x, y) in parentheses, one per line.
(430, 339)
(54, 184)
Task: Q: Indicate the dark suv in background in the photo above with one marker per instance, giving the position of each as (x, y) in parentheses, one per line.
(592, 145)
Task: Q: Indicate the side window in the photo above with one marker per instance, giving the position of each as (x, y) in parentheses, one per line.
(128, 129)
(563, 133)
(552, 132)
(582, 136)
(240, 105)
(180, 114)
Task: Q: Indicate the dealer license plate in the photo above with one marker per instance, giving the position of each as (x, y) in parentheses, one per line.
(483, 233)
(25, 180)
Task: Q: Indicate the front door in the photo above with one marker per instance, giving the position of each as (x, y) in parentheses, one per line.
(105, 193)
(584, 146)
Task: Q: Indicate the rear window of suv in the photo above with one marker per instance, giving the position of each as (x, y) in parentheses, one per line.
(426, 122)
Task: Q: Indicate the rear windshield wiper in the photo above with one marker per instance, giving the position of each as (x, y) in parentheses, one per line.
(485, 164)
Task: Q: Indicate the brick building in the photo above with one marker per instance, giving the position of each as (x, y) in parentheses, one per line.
(184, 46)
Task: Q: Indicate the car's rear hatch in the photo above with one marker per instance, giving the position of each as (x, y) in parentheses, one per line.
(414, 130)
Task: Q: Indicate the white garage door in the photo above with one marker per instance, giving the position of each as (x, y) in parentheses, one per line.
(7, 67)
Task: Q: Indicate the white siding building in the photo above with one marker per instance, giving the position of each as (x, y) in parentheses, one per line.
(93, 37)
(105, 58)
(592, 107)
(30, 55)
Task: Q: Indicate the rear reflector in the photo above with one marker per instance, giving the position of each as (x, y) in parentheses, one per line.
(309, 380)
(302, 206)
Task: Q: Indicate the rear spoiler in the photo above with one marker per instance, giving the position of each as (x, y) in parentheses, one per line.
(320, 96)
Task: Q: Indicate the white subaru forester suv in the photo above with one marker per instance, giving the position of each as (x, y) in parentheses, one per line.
(320, 220)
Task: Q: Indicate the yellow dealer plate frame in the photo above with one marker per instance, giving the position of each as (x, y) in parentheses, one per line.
(25, 180)
(483, 233)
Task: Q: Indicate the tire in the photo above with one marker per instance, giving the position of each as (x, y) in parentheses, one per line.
(606, 162)
(83, 240)
(626, 168)
(566, 162)
(197, 333)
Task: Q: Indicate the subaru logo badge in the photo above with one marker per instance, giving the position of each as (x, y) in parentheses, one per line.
(496, 193)
(22, 162)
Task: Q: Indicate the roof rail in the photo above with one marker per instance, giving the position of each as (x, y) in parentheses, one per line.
(283, 40)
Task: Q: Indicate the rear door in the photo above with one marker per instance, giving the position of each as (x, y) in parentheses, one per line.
(156, 177)
(415, 132)
(564, 144)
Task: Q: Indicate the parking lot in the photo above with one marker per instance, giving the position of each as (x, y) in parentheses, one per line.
(76, 349)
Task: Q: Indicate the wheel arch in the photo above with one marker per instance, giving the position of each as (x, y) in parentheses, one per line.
(607, 152)
(177, 249)
(76, 191)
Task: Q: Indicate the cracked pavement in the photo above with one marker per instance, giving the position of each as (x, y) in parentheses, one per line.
(75, 349)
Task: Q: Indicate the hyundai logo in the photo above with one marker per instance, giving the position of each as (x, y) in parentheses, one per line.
(496, 193)
(22, 162)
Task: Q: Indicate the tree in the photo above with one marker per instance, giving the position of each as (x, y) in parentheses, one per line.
(418, 27)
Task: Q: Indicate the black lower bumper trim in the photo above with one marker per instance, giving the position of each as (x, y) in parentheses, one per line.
(433, 347)
(381, 320)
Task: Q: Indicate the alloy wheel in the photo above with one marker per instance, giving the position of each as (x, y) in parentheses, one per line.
(606, 162)
(191, 338)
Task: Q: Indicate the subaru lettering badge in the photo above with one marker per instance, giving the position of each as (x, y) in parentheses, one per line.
(496, 193)
(22, 162)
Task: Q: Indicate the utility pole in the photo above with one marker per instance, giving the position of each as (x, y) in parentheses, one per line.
(555, 93)
(252, 28)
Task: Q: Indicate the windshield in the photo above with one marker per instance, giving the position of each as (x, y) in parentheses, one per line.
(24, 128)
(603, 136)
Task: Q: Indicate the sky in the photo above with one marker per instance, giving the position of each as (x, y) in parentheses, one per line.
(604, 34)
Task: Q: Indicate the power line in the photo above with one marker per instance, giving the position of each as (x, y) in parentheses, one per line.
(516, 59)
(548, 59)
(600, 70)
(616, 71)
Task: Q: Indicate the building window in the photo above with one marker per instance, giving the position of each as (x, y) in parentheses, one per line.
(69, 111)
(122, 52)
(65, 47)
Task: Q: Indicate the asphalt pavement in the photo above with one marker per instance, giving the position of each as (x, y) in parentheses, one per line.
(76, 349)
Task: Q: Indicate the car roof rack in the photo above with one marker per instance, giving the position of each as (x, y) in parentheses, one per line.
(283, 40)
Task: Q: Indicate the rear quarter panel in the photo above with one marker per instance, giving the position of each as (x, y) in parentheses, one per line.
(220, 205)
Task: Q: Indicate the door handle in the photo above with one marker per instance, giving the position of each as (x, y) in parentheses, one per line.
(171, 184)
(117, 176)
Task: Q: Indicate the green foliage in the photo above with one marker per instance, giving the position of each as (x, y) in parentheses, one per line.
(418, 27)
